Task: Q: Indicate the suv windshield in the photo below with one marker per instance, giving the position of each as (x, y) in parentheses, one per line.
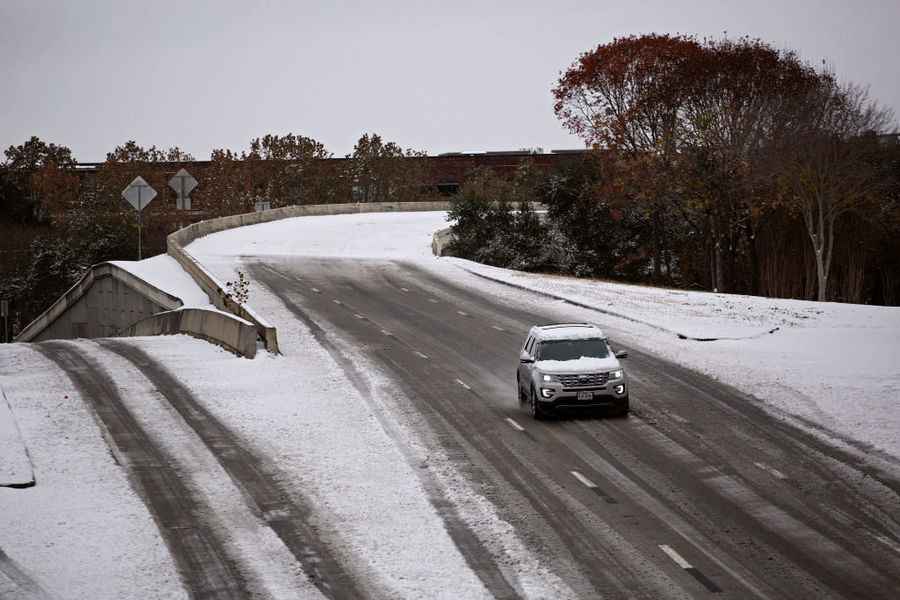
(573, 349)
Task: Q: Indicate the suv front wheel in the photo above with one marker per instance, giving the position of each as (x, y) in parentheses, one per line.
(534, 406)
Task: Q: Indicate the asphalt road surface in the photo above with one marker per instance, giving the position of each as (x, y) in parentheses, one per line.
(700, 493)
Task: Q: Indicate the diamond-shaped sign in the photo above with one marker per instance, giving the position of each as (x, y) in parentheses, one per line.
(139, 193)
(183, 183)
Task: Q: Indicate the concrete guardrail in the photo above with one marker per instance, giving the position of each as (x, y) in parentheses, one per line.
(177, 241)
(219, 328)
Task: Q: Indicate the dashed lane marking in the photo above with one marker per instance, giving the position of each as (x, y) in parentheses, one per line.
(593, 487)
(462, 313)
(771, 470)
(358, 316)
(387, 333)
(584, 480)
(681, 562)
(498, 328)
(514, 425)
(433, 300)
(336, 301)
(317, 290)
(463, 383)
(421, 355)
(404, 289)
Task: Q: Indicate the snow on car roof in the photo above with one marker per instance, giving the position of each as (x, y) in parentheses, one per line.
(570, 331)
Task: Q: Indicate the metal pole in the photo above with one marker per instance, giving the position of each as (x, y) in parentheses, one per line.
(140, 221)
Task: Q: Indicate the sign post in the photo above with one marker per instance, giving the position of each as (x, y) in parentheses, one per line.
(139, 194)
(183, 183)
(4, 312)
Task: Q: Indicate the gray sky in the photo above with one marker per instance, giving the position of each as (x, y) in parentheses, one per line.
(435, 76)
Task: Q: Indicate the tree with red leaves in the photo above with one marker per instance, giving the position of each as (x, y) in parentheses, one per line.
(707, 126)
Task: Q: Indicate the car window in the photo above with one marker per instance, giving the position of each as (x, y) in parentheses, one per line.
(529, 344)
(573, 349)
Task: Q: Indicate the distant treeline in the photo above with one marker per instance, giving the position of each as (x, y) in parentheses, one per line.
(719, 165)
(56, 220)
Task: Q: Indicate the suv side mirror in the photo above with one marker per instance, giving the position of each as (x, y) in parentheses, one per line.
(525, 357)
(621, 354)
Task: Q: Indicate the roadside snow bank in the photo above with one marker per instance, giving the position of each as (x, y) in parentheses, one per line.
(700, 316)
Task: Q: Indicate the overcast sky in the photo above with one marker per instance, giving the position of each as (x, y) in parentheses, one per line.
(436, 76)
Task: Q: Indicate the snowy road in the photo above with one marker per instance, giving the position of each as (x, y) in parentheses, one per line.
(700, 492)
(384, 454)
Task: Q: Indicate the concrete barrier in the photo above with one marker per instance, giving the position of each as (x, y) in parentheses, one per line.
(177, 241)
(219, 328)
(440, 239)
(109, 301)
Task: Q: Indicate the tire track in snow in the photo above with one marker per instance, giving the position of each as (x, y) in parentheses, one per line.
(205, 567)
(15, 584)
(286, 515)
(475, 554)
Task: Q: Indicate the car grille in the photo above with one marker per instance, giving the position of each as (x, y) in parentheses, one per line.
(584, 380)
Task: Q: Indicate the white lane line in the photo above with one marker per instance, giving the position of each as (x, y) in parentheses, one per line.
(694, 572)
(317, 290)
(404, 289)
(463, 383)
(584, 480)
(771, 470)
(498, 328)
(420, 354)
(336, 301)
(514, 425)
(887, 542)
(677, 558)
(358, 316)
(462, 313)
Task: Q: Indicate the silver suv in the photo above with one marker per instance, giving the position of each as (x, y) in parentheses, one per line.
(570, 365)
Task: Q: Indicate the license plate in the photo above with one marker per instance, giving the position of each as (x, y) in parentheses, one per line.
(585, 395)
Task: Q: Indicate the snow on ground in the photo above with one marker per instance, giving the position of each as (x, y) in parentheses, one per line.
(363, 459)
(363, 235)
(360, 467)
(81, 531)
(836, 365)
(269, 566)
(164, 272)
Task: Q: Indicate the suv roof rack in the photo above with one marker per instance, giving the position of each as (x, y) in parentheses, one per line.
(561, 325)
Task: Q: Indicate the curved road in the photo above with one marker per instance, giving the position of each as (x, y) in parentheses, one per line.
(700, 493)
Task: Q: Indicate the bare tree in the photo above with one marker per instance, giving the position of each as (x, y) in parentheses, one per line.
(830, 167)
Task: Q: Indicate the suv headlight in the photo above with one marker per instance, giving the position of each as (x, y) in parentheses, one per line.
(617, 374)
(546, 377)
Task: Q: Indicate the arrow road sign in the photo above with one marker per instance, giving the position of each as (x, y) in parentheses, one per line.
(139, 193)
(183, 183)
